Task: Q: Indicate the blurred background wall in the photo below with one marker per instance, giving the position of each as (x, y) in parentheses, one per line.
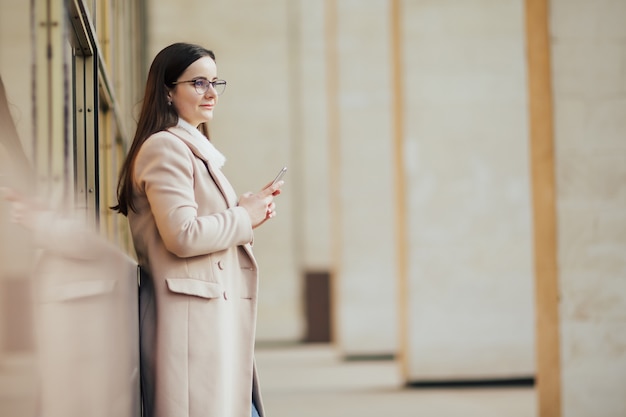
(589, 87)
(420, 155)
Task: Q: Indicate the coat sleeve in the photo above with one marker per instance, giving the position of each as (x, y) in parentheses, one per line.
(164, 172)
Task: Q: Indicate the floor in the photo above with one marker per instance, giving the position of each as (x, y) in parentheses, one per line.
(311, 381)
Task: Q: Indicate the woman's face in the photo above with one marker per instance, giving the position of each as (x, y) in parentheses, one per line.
(192, 107)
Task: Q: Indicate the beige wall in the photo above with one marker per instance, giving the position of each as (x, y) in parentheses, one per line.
(589, 78)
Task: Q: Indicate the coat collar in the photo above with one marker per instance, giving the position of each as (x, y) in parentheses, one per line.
(200, 143)
(201, 151)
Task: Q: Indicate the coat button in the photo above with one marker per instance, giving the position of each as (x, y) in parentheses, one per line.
(220, 265)
(225, 296)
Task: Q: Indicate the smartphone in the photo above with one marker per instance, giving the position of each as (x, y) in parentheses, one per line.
(280, 175)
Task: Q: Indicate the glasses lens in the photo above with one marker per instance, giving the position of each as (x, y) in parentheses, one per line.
(220, 86)
(201, 86)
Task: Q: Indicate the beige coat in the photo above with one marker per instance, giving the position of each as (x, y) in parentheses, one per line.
(198, 293)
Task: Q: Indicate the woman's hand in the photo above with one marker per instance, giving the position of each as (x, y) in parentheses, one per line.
(261, 206)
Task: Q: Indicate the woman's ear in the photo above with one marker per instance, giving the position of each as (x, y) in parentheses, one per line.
(168, 97)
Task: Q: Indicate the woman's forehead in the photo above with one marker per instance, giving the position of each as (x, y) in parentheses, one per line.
(203, 67)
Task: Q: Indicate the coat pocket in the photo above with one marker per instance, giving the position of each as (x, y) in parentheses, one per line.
(196, 287)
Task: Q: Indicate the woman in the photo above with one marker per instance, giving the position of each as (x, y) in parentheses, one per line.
(198, 292)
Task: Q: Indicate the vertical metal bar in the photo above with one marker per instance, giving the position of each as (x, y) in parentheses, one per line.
(92, 163)
(548, 380)
(80, 165)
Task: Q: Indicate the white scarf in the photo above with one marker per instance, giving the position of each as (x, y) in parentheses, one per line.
(216, 158)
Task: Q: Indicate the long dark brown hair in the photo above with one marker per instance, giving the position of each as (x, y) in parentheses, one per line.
(156, 114)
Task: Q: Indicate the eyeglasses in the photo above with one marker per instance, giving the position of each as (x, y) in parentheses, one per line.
(202, 85)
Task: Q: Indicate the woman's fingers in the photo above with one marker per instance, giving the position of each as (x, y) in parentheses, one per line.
(273, 189)
(261, 206)
(271, 210)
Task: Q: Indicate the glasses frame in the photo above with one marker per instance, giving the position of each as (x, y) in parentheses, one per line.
(212, 84)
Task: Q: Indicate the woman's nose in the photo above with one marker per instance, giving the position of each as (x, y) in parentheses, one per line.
(211, 91)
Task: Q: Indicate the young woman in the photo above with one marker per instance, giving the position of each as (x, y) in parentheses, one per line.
(192, 236)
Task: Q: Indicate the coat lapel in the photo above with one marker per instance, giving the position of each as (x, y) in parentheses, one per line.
(218, 177)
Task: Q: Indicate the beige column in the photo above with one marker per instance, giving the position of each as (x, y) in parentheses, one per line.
(363, 178)
(470, 280)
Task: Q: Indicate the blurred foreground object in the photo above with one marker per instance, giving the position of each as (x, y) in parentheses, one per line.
(85, 292)
(68, 328)
(87, 324)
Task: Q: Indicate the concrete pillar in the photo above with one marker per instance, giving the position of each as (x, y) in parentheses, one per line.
(364, 260)
(470, 279)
